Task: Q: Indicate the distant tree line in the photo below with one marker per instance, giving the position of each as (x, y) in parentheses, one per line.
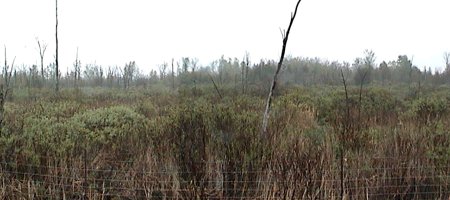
(235, 73)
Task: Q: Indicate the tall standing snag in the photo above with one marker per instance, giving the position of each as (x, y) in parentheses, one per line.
(42, 49)
(344, 131)
(77, 73)
(5, 88)
(173, 77)
(447, 61)
(285, 35)
(56, 55)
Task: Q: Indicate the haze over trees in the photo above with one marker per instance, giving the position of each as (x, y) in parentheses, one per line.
(241, 74)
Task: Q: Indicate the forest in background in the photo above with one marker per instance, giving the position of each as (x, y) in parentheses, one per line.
(240, 74)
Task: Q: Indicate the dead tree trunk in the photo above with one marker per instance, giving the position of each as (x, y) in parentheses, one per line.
(344, 131)
(275, 77)
(42, 49)
(56, 54)
(4, 89)
(173, 77)
(244, 73)
(447, 62)
(215, 86)
(77, 71)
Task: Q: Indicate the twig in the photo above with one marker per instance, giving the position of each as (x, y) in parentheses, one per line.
(215, 86)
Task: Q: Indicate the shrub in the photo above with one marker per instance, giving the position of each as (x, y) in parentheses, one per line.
(428, 110)
(114, 127)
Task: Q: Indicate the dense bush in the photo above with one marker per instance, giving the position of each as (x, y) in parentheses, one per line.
(114, 128)
(428, 110)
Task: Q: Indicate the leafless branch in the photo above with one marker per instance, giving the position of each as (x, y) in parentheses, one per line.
(274, 82)
(215, 86)
(42, 49)
(56, 55)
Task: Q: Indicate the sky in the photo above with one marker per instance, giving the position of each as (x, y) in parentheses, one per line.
(114, 32)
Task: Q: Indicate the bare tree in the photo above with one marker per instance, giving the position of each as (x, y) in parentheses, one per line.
(447, 61)
(194, 62)
(162, 70)
(285, 36)
(194, 66)
(173, 76)
(128, 73)
(77, 70)
(56, 54)
(42, 48)
(185, 61)
(446, 73)
(5, 88)
(244, 71)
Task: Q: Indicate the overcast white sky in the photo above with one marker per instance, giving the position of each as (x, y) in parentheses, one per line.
(113, 32)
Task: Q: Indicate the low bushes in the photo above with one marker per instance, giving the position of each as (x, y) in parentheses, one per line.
(204, 146)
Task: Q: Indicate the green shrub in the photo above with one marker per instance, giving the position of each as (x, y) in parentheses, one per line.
(146, 108)
(110, 129)
(428, 110)
(112, 126)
